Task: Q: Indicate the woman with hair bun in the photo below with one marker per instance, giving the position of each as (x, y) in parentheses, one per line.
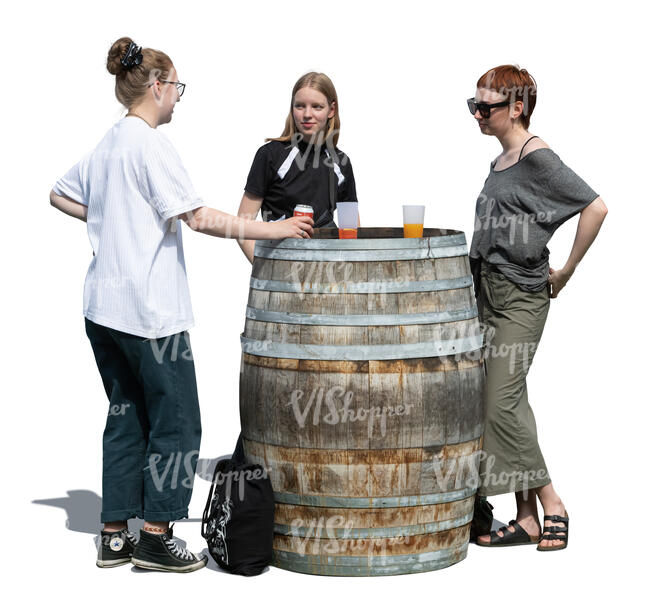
(528, 194)
(132, 190)
(303, 165)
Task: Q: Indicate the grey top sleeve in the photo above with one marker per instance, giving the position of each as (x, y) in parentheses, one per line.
(518, 211)
(560, 193)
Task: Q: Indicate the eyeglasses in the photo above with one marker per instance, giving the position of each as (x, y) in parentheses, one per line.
(179, 86)
(483, 108)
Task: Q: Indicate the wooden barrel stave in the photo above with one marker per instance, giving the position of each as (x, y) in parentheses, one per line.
(360, 474)
(319, 542)
(368, 473)
(290, 515)
(287, 333)
(359, 304)
(452, 416)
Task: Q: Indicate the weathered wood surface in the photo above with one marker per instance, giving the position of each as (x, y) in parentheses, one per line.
(373, 461)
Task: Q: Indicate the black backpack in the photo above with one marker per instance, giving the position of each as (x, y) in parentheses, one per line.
(238, 517)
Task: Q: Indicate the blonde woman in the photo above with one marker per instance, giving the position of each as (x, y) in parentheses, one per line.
(303, 165)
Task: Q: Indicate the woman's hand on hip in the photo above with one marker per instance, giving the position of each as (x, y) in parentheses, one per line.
(293, 227)
(557, 279)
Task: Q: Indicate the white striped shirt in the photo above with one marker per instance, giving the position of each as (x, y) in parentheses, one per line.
(134, 184)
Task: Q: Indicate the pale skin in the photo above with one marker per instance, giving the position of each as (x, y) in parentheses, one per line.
(156, 108)
(505, 124)
(311, 111)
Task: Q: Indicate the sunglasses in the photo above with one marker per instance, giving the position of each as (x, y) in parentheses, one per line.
(483, 108)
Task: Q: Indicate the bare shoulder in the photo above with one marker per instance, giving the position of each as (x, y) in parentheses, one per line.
(534, 144)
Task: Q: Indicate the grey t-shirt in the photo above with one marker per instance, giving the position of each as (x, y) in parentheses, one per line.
(518, 211)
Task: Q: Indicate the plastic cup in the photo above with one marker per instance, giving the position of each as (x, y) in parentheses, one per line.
(348, 216)
(413, 221)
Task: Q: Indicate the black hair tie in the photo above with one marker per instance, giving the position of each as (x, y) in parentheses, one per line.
(132, 57)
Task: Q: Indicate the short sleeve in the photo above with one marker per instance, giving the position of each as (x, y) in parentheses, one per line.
(74, 184)
(259, 177)
(562, 192)
(347, 191)
(167, 185)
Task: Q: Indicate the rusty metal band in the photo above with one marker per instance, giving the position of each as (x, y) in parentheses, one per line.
(296, 499)
(348, 320)
(371, 244)
(366, 352)
(346, 287)
(379, 565)
(359, 255)
(372, 532)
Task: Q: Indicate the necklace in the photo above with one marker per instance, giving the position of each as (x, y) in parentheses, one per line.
(139, 117)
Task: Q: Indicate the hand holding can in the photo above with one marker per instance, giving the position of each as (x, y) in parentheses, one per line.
(303, 210)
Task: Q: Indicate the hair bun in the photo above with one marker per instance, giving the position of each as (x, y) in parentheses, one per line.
(116, 53)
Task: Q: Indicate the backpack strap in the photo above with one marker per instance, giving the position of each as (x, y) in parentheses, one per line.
(206, 512)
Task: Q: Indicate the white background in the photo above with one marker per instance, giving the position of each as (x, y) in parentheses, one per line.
(403, 71)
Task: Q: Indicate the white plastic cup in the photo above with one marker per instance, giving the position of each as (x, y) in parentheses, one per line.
(348, 214)
(413, 221)
(413, 214)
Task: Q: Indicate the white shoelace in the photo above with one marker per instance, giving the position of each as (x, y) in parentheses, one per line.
(177, 550)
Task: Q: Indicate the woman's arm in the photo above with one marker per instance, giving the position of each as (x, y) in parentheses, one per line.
(68, 206)
(222, 225)
(591, 218)
(248, 208)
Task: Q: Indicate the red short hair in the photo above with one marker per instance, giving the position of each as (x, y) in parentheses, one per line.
(514, 82)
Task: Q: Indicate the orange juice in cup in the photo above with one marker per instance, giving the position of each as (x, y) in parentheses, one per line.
(347, 232)
(413, 221)
(413, 230)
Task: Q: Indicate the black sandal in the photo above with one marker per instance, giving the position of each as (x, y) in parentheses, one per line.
(551, 532)
(518, 537)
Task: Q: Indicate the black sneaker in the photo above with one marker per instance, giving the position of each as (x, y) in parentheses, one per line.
(116, 548)
(160, 551)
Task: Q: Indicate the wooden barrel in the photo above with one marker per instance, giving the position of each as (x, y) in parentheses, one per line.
(361, 393)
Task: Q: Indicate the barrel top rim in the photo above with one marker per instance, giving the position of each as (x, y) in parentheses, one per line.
(369, 238)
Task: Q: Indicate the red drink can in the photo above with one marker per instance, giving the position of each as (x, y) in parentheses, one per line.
(303, 210)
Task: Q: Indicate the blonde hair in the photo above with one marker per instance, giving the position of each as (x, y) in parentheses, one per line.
(323, 84)
(132, 83)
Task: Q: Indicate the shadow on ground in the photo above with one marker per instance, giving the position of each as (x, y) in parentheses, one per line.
(83, 508)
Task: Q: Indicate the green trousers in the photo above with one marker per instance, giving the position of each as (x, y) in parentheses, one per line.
(513, 322)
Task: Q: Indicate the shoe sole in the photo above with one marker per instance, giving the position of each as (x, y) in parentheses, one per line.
(506, 545)
(550, 548)
(112, 563)
(150, 565)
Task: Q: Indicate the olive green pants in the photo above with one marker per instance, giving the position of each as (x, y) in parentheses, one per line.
(513, 321)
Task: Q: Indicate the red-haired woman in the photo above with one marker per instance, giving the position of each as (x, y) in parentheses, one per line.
(132, 189)
(528, 194)
(303, 165)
